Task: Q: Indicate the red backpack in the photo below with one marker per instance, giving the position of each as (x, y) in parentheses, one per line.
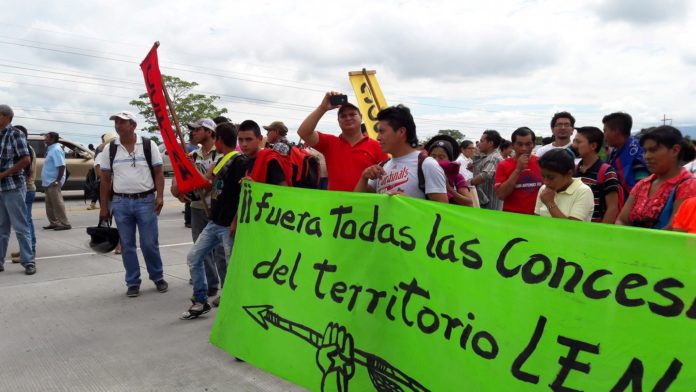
(301, 168)
(601, 176)
(305, 169)
(263, 158)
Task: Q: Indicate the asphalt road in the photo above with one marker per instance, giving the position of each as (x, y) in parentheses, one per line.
(71, 327)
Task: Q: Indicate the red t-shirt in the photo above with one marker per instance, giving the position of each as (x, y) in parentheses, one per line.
(345, 163)
(523, 198)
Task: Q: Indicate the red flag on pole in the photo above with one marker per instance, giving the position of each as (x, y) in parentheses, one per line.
(187, 177)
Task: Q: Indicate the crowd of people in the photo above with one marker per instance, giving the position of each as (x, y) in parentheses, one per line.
(642, 182)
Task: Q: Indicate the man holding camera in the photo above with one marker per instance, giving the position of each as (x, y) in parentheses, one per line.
(348, 154)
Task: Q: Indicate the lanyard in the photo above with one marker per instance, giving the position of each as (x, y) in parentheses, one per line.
(223, 161)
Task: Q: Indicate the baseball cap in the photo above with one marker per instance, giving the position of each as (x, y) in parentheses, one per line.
(348, 105)
(124, 115)
(203, 123)
(278, 126)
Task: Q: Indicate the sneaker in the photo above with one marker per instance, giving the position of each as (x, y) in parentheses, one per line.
(30, 269)
(16, 259)
(14, 254)
(133, 291)
(196, 309)
(2, 268)
(212, 291)
(92, 206)
(216, 301)
(162, 285)
(59, 228)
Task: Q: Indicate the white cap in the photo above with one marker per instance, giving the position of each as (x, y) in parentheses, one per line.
(203, 123)
(124, 115)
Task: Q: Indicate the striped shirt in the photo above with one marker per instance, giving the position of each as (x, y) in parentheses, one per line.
(485, 167)
(13, 146)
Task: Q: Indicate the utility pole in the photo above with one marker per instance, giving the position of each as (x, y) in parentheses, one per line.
(665, 119)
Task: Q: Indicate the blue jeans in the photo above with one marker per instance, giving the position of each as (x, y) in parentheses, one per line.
(211, 236)
(13, 216)
(215, 263)
(29, 201)
(128, 214)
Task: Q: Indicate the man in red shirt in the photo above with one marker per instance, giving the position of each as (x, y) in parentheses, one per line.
(518, 179)
(348, 154)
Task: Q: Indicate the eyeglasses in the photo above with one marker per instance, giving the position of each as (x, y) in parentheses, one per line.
(132, 155)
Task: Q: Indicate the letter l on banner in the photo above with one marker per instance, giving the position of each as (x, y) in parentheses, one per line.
(187, 177)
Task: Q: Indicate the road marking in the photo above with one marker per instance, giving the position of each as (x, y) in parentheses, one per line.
(72, 255)
(179, 244)
(94, 253)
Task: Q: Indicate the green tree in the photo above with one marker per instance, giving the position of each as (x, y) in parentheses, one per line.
(189, 107)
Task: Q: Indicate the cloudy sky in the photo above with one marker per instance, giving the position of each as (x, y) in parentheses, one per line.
(66, 66)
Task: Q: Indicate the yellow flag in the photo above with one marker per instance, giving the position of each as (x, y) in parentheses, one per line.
(370, 98)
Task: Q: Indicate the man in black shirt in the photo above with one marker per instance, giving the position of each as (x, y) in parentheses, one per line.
(228, 172)
(271, 165)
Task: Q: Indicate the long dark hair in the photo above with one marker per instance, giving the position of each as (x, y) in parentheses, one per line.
(670, 136)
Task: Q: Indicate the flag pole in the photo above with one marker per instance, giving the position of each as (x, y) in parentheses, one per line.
(172, 111)
(372, 90)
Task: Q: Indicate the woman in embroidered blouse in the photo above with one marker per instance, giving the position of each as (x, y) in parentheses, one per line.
(654, 200)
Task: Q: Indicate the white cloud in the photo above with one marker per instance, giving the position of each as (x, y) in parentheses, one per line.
(643, 12)
(468, 66)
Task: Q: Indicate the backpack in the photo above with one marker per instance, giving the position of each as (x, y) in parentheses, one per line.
(91, 187)
(601, 176)
(259, 171)
(29, 168)
(305, 169)
(147, 150)
(421, 177)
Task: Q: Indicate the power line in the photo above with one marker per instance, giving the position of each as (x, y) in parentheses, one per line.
(64, 121)
(250, 80)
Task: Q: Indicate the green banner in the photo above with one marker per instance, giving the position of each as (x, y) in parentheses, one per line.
(339, 291)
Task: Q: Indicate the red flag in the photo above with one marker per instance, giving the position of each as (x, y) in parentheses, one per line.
(187, 177)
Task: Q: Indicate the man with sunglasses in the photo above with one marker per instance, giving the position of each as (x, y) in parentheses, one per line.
(136, 199)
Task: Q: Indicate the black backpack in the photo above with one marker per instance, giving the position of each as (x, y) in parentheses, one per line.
(91, 187)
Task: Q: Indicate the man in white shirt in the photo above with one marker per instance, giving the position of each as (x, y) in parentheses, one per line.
(136, 200)
(406, 172)
(562, 125)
